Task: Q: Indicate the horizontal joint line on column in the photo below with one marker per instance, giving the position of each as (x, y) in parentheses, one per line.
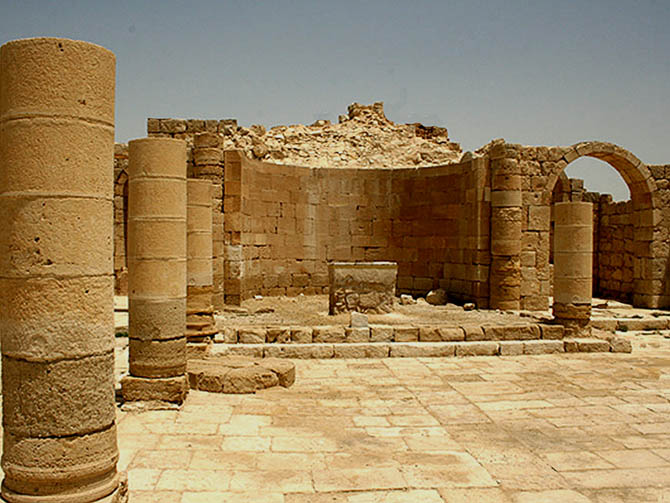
(168, 339)
(167, 218)
(58, 276)
(146, 176)
(156, 298)
(53, 195)
(72, 436)
(61, 117)
(58, 359)
(157, 258)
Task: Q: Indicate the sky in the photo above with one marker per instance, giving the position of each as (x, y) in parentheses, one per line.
(540, 72)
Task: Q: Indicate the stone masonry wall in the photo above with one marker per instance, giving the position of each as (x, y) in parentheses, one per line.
(292, 220)
(120, 218)
(616, 248)
(541, 168)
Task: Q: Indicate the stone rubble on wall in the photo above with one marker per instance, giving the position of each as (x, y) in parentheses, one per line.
(364, 137)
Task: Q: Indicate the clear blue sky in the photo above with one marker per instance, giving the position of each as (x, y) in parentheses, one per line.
(534, 72)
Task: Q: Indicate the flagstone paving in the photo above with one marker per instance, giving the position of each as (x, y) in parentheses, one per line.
(551, 428)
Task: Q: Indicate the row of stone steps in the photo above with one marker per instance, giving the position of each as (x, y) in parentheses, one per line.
(413, 349)
(334, 334)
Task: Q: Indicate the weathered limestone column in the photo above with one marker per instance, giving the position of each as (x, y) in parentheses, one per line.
(506, 233)
(156, 270)
(199, 309)
(573, 255)
(56, 271)
(207, 158)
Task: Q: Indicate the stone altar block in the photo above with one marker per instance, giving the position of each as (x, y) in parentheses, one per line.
(366, 287)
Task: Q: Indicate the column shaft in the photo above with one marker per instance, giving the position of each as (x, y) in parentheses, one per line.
(573, 256)
(199, 309)
(506, 232)
(156, 270)
(56, 271)
(207, 158)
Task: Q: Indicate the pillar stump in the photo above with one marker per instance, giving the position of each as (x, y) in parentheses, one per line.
(156, 271)
(199, 277)
(573, 255)
(56, 271)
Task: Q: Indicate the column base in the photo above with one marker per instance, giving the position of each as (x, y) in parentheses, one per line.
(118, 495)
(163, 389)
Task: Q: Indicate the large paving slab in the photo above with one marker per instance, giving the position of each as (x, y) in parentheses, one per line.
(560, 427)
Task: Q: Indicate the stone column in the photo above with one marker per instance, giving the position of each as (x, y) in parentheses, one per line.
(207, 158)
(156, 271)
(506, 232)
(199, 310)
(56, 271)
(573, 255)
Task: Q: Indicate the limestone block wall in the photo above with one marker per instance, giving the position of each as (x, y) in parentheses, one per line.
(283, 224)
(541, 168)
(616, 250)
(120, 218)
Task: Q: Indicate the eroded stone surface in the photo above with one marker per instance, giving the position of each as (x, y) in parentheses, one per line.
(239, 374)
(365, 287)
(56, 285)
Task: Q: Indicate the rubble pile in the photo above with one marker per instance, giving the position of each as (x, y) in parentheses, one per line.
(364, 137)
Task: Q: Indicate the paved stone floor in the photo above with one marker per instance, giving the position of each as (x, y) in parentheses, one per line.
(555, 428)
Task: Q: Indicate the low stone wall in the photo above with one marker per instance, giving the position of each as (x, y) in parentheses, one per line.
(365, 287)
(389, 333)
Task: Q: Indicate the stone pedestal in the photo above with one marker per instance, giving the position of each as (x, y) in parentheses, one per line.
(56, 271)
(366, 287)
(573, 255)
(207, 159)
(156, 270)
(199, 309)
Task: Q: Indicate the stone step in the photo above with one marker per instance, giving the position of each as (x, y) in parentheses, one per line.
(335, 334)
(630, 324)
(421, 349)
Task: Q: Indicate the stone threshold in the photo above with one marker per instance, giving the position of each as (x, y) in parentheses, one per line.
(415, 349)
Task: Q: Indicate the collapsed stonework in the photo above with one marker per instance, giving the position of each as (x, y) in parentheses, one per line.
(364, 137)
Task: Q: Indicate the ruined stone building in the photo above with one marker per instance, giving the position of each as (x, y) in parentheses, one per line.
(234, 212)
(477, 224)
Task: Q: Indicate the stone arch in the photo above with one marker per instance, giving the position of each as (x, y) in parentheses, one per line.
(649, 270)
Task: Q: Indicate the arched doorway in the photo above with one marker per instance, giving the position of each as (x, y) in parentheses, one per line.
(649, 266)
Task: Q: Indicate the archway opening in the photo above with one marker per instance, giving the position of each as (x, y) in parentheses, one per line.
(625, 232)
(597, 182)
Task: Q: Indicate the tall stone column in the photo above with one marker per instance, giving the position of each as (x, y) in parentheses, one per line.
(506, 232)
(156, 271)
(199, 309)
(573, 255)
(207, 158)
(56, 271)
